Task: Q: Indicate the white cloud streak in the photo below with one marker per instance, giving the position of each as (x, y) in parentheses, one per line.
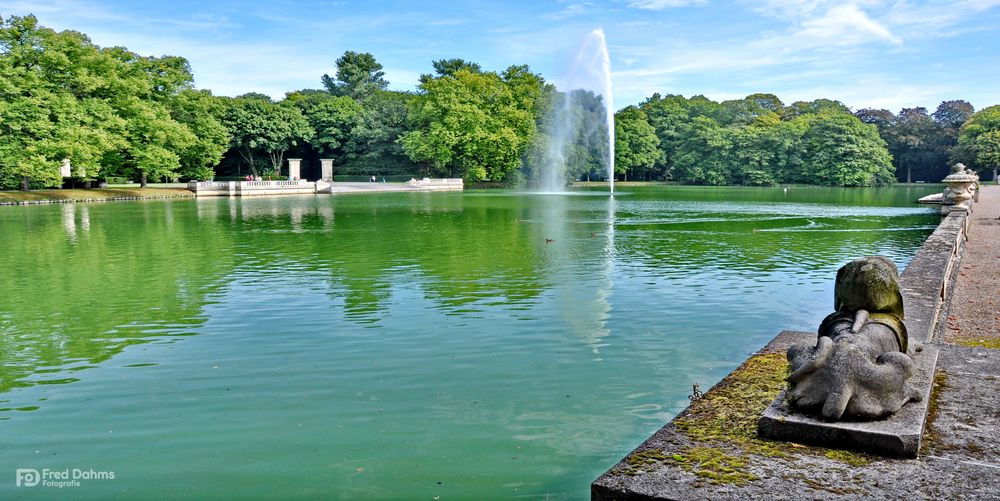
(664, 4)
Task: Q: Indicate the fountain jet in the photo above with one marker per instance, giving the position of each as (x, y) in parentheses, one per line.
(571, 127)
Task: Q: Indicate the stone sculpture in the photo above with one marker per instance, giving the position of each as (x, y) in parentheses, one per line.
(860, 365)
(958, 195)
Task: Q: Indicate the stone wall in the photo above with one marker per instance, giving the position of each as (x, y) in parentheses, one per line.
(926, 282)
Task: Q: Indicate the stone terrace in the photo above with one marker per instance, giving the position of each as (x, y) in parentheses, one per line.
(711, 451)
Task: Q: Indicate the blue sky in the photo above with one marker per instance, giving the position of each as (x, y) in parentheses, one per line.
(869, 53)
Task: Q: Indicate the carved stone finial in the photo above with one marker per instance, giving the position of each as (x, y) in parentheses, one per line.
(859, 367)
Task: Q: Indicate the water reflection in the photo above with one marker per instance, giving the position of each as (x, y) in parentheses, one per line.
(316, 333)
(467, 255)
(75, 303)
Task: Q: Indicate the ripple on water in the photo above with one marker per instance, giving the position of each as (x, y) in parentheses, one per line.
(402, 343)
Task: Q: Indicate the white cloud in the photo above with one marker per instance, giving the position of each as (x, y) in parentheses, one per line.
(569, 11)
(664, 4)
(936, 19)
(845, 25)
(788, 9)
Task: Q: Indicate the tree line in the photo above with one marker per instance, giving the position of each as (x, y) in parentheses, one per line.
(114, 113)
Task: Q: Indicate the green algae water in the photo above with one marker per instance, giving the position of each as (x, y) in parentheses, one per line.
(477, 345)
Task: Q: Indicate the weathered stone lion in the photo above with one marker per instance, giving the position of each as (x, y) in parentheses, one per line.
(860, 366)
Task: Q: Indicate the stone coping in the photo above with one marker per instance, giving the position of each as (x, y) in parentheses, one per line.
(959, 459)
(653, 471)
(924, 285)
(927, 280)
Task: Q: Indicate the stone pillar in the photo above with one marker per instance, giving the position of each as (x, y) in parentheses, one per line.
(66, 170)
(327, 169)
(293, 168)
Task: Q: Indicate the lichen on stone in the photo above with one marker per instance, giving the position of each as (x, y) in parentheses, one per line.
(931, 438)
(991, 343)
(722, 425)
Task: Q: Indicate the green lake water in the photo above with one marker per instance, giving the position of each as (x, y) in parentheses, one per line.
(477, 345)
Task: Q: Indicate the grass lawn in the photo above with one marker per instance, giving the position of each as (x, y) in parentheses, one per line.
(74, 194)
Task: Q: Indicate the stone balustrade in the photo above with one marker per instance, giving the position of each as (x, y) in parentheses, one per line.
(438, 184)
(250, 188)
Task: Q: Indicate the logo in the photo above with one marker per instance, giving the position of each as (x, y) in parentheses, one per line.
(28, 477)
(68, 477)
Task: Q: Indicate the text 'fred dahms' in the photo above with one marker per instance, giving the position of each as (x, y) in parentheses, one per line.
(68, 477)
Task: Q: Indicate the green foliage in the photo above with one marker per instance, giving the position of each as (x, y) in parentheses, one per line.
(979, 139)
(572, 131)
(201, 113)
(667, 115)
(448, 67)
(702, 154)
(759, 141)
(800, 108)
(373, 145)
(112, 112)
(922, 144)
(108, 110)
(358, 76)
(261, 128)
(636, 146)
(332, 119)
(472, 125)
(843, 151)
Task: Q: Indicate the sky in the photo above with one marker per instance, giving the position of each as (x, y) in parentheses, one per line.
(867, 53)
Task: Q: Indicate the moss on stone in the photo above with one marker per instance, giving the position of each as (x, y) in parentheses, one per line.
(848, 457)
(931, 439)
(991, 343)
(729, 412)
(723, 425)
(713, 465)
(637, 463)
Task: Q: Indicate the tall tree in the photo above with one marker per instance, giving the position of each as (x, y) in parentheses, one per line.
(259, 128)
(469, 124)
(800, 108)
(881, 118)
(152, 142)
(448, 67)
(667, 115)
(636, 146)
(358, 75)
(373, 145)
(703, 152)
(842, 151)
(979, 140)
(332, 119)
(953, 114)
(106, 110)
(201, 113)
(918, 148)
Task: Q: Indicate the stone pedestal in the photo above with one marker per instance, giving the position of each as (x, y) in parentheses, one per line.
(326, 169)
(896, 436)
(293, 168)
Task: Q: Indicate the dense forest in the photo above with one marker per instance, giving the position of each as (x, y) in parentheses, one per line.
(119, 115)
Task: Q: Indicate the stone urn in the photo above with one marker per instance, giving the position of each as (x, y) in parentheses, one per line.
(958, 194)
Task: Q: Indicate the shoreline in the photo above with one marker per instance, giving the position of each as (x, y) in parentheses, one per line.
(65, 196)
